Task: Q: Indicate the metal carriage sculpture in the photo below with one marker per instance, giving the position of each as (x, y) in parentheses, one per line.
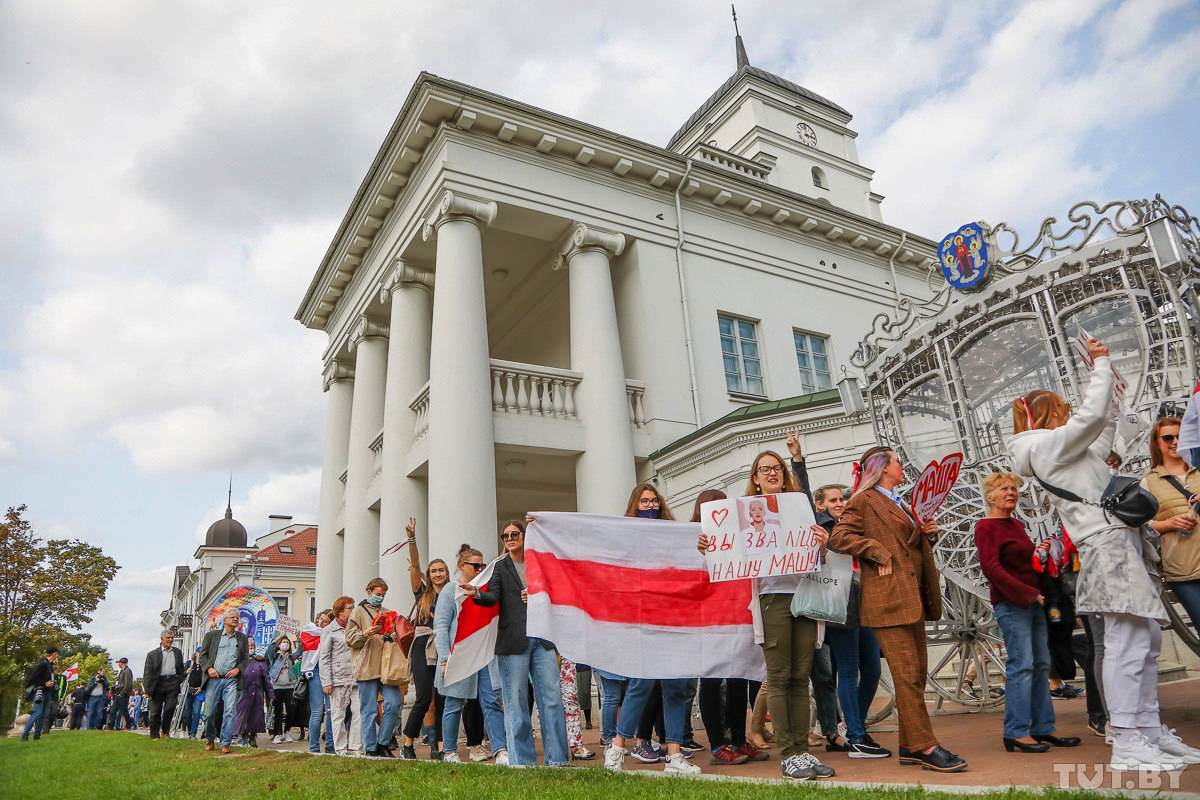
(941, 376)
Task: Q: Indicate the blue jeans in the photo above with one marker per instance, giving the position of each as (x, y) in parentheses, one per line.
(541, 665)
(197, 701)
(368, 702)
(825, 691)
(1028, 709)
(612, 695)
(318, 712)
(95, 713)
(636, 694)
(35, 717)
(451, 716)
(222, 690)
(493, 712)
(1188, 595)
(856, 653)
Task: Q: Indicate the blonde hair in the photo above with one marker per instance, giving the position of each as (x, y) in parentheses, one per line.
(1034, 410)
(870, 469)
(789, 480)
(995, 480)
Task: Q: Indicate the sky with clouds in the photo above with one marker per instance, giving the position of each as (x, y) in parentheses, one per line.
(173, 172)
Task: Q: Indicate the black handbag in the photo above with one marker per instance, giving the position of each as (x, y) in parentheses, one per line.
(1124, 498)
(301, 690)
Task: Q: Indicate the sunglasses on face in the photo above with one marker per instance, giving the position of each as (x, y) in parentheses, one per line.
(473, 565)
(509, 536)
(1168, 437)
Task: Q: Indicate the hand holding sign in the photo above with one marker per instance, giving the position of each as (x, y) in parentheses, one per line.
(759, 536)
(934, 485)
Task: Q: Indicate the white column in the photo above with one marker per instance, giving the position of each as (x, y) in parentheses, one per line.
(339, 386)
(361, 553)
(604, 474)
(462, 460)
(410, 292)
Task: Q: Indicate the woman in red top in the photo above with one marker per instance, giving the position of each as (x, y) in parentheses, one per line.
(1006, 556)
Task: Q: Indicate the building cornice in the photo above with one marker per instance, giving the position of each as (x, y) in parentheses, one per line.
(434, 101)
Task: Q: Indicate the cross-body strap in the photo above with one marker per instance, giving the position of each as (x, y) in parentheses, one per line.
(1065, 494)
(1179, 487)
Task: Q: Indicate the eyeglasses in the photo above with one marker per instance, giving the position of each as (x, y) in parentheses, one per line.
(508, 536)
(473, 565)
(649, 502)
(1168, 437)
(767, 469)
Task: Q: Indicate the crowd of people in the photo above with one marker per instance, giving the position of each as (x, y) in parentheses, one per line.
(1092, 580)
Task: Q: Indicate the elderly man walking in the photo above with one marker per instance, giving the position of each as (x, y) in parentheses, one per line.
(121, 690)
(223, 657)
(161, 679)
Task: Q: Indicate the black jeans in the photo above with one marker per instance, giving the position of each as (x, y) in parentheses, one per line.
(422, 674)
(652, 716)
(162, 707)
(119, 711)
(283, 711)
(472, 720)
(730, 715)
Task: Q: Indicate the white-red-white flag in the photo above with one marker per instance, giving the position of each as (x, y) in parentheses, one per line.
(633, 597)
(474, 644)
(72, 672)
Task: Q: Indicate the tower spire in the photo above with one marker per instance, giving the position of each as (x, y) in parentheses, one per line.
(742, 59)
(229, 499)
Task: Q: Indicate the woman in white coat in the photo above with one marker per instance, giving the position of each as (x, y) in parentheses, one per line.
(1067, 452)
(337, 680)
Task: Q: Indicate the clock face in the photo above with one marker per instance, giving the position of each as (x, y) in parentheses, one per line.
(807, 135)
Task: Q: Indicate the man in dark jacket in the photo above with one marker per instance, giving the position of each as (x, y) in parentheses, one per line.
(223, 657)
(122, 689)
(79, 699)
(192, 701)
(97, 699)
(161, 680)
(39, 684)
(55, 697)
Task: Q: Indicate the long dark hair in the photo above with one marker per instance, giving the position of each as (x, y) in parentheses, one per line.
(707, 496)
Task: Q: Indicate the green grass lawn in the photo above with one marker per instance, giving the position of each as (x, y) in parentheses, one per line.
(94, 764)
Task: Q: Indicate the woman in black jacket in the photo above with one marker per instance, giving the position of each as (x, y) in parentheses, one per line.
(521, 658)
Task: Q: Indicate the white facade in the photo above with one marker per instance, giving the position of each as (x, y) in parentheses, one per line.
(518, 316)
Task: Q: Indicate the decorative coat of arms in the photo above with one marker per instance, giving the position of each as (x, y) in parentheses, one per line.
(963, 255)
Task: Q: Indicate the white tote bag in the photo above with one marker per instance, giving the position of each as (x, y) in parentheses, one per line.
(824, 594)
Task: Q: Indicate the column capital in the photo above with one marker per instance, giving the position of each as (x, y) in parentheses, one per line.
(452, 205)
(584, 237)
(403, 275)
(367, 328)
(336, 371)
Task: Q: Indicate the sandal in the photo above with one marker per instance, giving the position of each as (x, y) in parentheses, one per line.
(581, 753)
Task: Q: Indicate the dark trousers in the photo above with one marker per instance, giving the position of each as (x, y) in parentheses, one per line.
(120, 712)
(730, 715)
(1058, 636)
(422, 673)
(904, 648)
(652, 716)
(472, 719)
(162, 707)
(283, 707)
(824, 686)
(51, 714)
(77, 712)
(1091, 666)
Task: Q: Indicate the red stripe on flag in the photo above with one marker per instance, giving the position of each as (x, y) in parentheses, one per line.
(473, 617)
(672, 598)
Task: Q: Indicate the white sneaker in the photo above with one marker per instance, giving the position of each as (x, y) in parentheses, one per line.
(451, 758)
(676, 765)
(478, 753)
(1173, 746)
(1140, 755)
(287, 737)
(277, 740)
(502, 758)
(614, 758)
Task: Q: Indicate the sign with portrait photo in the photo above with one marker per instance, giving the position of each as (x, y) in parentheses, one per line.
(759, 536)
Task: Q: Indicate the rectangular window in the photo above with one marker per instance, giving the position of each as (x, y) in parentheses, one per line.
(282, 604)
(312, 607)
(285, 548)
(739, 351)
(812, 356)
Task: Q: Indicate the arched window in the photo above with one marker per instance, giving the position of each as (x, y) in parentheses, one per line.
(819, 179)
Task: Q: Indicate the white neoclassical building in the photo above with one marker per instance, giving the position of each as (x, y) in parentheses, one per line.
(528, 312)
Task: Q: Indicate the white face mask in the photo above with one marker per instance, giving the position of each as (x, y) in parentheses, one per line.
(284, 647)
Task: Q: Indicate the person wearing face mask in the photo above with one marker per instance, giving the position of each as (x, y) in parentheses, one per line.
(283, 681)
(256, 685)
(364, 635)
(426, 589)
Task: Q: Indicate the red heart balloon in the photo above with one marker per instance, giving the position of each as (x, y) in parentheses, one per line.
(934, 485)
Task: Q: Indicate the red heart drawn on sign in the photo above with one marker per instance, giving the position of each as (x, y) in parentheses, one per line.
(719, 515)
(934, 485)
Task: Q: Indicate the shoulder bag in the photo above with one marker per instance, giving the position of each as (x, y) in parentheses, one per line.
(1124, 498)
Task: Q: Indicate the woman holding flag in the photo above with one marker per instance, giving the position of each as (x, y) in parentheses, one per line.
(425, 588)
(521, 658)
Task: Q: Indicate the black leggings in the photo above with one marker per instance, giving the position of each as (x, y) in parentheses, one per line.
(283, 703)
(472, 720)
(422, 674)
(652, 716)
(730, 715)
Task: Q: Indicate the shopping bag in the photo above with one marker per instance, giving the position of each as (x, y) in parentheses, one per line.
(824, 594)
(393, 669)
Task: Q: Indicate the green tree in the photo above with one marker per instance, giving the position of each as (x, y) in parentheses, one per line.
(48, 591)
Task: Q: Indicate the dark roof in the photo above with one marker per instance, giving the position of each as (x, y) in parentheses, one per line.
(797, 403)
(226, 532)
(762, 75)
(181, 575)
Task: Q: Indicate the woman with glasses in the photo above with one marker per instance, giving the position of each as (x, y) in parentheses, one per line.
(461, 695)
(521, 657)
(426, 588)
(625, 715)
(1176, 484)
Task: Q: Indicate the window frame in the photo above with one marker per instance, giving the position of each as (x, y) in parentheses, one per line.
(829, 360)
(744, 392)
(819, 178)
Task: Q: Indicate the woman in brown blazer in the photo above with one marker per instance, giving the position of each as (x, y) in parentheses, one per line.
(900, 590)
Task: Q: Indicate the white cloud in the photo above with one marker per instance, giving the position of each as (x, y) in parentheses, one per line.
(291, 494)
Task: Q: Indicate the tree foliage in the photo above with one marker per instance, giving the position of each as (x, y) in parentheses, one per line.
(48, 591)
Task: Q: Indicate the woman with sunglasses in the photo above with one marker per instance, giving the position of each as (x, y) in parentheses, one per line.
(461, 695)
(1176, 484)
(522, 657)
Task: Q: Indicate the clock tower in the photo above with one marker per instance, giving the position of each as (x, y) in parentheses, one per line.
(802, 139)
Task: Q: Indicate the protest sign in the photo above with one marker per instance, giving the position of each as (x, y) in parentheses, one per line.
(1120, 385)
(934, 485)
(759, 536)
(287, 626)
